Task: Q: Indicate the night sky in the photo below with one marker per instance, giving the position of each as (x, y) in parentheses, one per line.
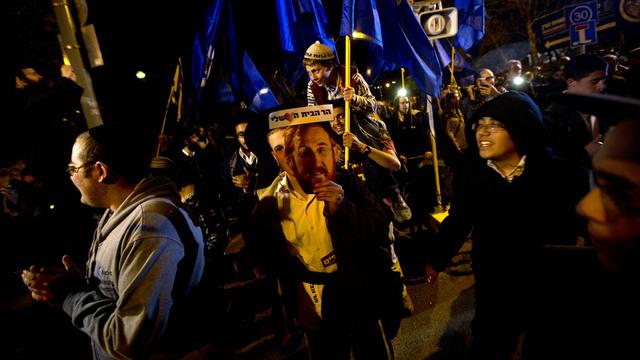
(150, 36)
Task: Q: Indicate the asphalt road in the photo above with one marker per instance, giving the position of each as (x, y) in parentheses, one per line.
(439, 328)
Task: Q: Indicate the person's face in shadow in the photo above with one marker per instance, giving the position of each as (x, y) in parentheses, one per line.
(337, 124)
(276, 142)
(612, 208)
(403, 105)
(241, 129)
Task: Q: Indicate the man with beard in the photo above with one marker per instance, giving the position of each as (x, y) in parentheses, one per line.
(328, 244)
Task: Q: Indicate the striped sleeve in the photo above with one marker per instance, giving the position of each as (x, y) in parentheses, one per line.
(363, 99)
(311, 101)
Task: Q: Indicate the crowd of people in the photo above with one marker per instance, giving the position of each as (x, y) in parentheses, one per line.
(546, 184)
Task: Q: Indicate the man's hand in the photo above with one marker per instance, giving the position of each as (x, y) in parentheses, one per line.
(68, 72)
(352, 142)
(488, 90)
(349, 94)
(242, 181)
(41, 281)
(331, 193)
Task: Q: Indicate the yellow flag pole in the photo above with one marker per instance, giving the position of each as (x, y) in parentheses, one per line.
(402, 76)
(452, 69)
(174, 88)
(347, 108)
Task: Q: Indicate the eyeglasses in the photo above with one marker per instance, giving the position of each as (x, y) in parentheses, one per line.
(72, 170)
(492, 128)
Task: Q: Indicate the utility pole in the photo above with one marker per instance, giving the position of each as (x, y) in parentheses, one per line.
(72, 49)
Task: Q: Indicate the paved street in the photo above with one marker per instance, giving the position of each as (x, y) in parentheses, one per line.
(439, 328)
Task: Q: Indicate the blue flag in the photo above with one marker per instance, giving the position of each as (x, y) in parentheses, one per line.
(256, 90)
(407, 45)
(202, 53)
(471, 16)
(301, 23)
(360, 20)
(237, 78)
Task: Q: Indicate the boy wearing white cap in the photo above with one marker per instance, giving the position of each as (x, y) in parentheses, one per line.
(326, 81)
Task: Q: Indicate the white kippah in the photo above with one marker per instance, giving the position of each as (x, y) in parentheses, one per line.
(318, 51)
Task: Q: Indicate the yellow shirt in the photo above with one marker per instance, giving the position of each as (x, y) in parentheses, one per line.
(305, 228)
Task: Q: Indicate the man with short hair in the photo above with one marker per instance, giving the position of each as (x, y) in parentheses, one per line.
(244, 162)
(245, 169)
(286, 178)
(327, 244)
(145, 260)
(575, 135)
(515, 79)
(484, 90)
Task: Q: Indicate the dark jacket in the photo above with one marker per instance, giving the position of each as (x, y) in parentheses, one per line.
(568, 134)
(582, 311)
(360, 286)
(509, 223)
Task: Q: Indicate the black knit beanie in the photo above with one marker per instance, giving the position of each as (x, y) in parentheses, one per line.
(521, 117)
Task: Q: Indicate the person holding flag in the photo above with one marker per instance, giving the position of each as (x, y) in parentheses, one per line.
(326, 86)
(326, 242)
(327, 81)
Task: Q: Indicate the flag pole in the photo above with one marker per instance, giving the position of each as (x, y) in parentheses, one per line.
(174, 88)
(402, 76)
(347, 108)
(434, 151)
(453, 57)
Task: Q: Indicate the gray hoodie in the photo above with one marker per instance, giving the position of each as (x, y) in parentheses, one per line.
(132, 265)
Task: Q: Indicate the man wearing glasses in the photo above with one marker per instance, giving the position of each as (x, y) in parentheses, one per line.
(146, 256)
(484, 90)
(512, 197)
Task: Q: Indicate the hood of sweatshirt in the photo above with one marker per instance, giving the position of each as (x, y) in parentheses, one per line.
(147, 189)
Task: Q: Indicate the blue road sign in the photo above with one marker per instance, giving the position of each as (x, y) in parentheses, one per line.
(553, 30)
(581, 13)
(582, 20)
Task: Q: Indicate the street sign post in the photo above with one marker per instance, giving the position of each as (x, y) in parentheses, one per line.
(565, 27)
(582, 20)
